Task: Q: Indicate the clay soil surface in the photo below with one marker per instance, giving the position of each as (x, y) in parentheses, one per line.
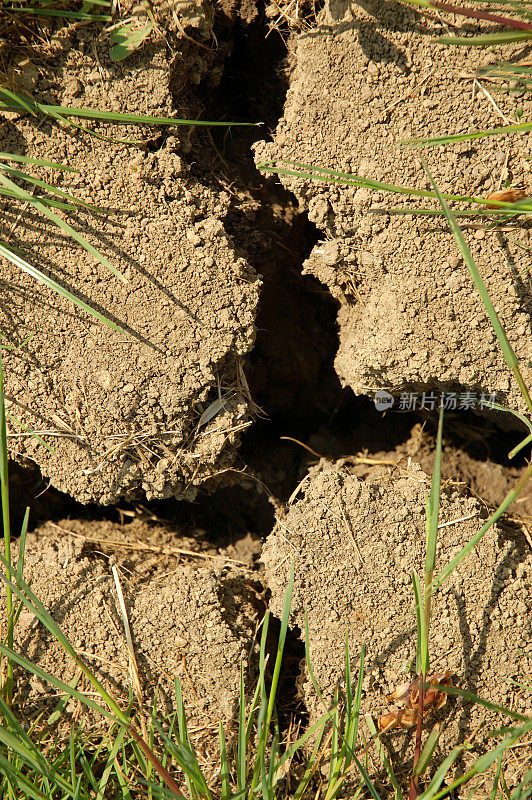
(230, 430)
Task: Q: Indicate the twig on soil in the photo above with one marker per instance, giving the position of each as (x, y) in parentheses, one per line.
(305, 446)
(350, 532)
(455, 521)
(133, 666)
(526, 533)
(166, 551)
(506, 120)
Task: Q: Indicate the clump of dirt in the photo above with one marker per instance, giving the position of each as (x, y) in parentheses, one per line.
(366, 78)
(192, 619)
(124, 411)
(354, 544)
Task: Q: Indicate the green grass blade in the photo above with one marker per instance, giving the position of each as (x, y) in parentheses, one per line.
(58, 712)
(419, 618)
(6, 525)
(353, 707)
(38, 162)
(496, 780)
(280, 646)
(63, 225)
(58, 684)
(54, 12)
(433, 510)
(521, 127)
(335, 762)
(224, 765)
(26, 748)
(504, 344)
(366, 779)
(428, 750)
(31, 433)
(17, 779)
(481, 765)
(32, 602)
(436, 212)
(310, 769)
(383, 758)
(106, 774)
(316, 727)
(22, 543)
(51, 284)
(45, 201)
(242, 737)
(508, 500)
(17, 102)
(486, 39)
(310, 172)
(440, 774)
(19, 174)
(455, 691)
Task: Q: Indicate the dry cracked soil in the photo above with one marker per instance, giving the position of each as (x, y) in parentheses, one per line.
(230, 429)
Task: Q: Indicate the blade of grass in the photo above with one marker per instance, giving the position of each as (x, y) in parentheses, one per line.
(419, 618)
(280, 646)
(242, 737)
(482, 764)
(486, 39)
(331, 176)
(6, 525)
(433, 510)
(37, 162)
(31, 433)
(383, 758)
(504, 344)
(520, 127)
(428, 750)
(17, 173)
(353, 708)
(22, 542)
(441, 772)
(17, 102)
(224, 765)
(473, 13)
(508, 500)
(56, 287)
(63, 225)
(455, 691)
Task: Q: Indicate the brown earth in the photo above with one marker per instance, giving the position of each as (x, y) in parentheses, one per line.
(194, 618)
(123, 412)
(365, 78)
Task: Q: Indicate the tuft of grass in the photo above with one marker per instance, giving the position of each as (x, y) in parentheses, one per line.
(59, 8)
